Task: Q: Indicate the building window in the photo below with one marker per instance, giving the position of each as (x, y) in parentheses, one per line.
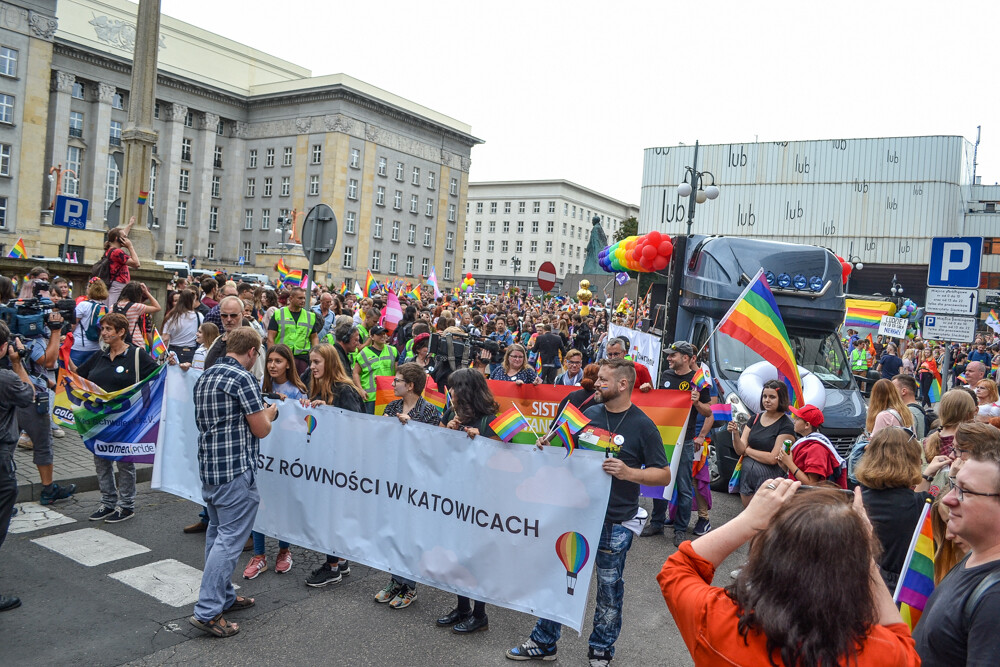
(268, 186)
(534, 226)
(411, 237)
(377, 229)
(75, 124)
(251, 187)
(430, 180)
(4, 159)
(451, 213)
(115, 135)
(409, 265)
(263, 247)
(493, 207)
(111, 182)
(504, 246)
(220, 127)
(252, 163)
(399, 171)
(395, 230)
(424, 266)
(429, 208)
(534, 247)
(213, 219)
(520, 226)
(186, 149)
(479, 226)
(283, 213)
(152, 188)
(248, 219)
(184, 180)
(550, 227)
(520, 207)
(414, 203)
(506, 207)
(393, 258)
(286, 159)
(519, 247)
(246, 251)
(7, 109)
(475, 264)
(506, 226)
(179, 247)
(348, 257)
(352, 189)
(265, 219)
(314, 185)
(189, 119)
(8, 61)
(216, 187)
(416, 176)
(376, 263)
(490, 245)
(156, 109)
(210, 251)
(564, 228)
(552, 207)
(489, 264)
(217, 157)
(381, 166)
(453, 187)
(77, 91)
(350, 219)
(476, 245)
(117, 101)
(566, 208)
(479, 207)
(427, 237)
(397, 200)
(447, 270)
(182, 214)
(493, 226)
(269, 157)
(71, 184)
(531, 266)
(355, 157)
(317, 154)
(449, 241)
(286, 186)
(548, 247)
(380, 195)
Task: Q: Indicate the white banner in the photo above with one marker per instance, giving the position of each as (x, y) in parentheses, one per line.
(894, 327)
(432, 505)
(643, 347)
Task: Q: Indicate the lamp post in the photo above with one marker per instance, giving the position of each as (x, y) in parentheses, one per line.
(695, 188)
(897, 291)
(284, 225)
(856, 263)
(515, 263)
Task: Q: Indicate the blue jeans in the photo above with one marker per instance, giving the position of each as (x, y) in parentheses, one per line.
(685, 493)
(232, 508)
(610, 564)
(258, 543)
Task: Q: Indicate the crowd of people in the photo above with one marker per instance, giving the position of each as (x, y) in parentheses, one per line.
(816, 587)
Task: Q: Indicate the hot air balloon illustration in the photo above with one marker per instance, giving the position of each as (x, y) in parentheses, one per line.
(310, 426)
(573, 551)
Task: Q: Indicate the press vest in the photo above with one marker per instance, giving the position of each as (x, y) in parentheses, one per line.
(294, 334)
(374, 364)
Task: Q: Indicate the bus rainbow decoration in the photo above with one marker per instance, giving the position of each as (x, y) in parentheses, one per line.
(310, 427)
(573, 551)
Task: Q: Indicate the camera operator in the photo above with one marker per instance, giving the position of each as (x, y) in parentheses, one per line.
(17, 392)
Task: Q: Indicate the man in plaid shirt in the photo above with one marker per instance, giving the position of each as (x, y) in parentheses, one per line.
(231, 417)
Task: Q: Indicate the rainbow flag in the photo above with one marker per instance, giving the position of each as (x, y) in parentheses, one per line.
(573, 417)
(700, 379)
(734, 481)
(916, 583)
(935, 392)
(371, 285)
(432, 280)
(564, 434)
(18, 251)
(157, 348)
(722, 412)
(286, 275)
(509, 424)
(755, 321)
(993, 321)
(141, 201)
(961, 378)
(435, 397)
(867, 314)
(414, 293)
(343, 288)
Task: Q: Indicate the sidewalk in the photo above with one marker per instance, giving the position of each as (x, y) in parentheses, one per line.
(73, 464)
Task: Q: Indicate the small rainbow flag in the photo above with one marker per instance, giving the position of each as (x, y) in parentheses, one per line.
(573, 417)
(141, 201)
(564, 433)
(157, 348)
(343, 288)
(435, 397)
(722, 412)
(371, 285)
(935, 392)
(509, 424)
(18, 251)
(961, 378)
(700, 379)
(916, 583)
(414, 293)
(734, 481)
(286, 275)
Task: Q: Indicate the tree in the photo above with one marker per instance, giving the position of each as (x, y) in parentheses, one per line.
(628, 228)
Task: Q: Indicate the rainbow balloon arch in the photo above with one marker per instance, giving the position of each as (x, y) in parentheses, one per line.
(643, 254)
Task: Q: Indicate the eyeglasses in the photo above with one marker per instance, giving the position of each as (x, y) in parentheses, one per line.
(962, 453)
(960, 493)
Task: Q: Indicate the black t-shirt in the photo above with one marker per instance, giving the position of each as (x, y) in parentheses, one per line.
(942, 636)
(548, 346)
(890, 366)
(894, 514)
(642, 447)
(762, 437)
(482, 422)
(671, 380)
(114, 374)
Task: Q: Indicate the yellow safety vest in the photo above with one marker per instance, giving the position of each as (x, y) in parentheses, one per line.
(295, 335)
(374, 364)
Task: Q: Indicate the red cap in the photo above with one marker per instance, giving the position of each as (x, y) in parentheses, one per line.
(810, 414)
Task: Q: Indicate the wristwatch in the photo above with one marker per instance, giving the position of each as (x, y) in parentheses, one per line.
(929, 478)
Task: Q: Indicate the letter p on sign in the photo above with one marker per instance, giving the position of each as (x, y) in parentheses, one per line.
(955, 262)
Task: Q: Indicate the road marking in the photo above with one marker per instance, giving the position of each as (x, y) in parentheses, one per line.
(90, 546)
(169, 581)
(32, 516)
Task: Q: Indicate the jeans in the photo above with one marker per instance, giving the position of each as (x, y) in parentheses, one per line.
(232, 508)
(39, 429)
(258, 543)
(685, 493)
(610, 564)
(123, 493)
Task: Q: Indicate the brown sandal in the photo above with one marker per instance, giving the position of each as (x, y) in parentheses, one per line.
(240, 603)
(217, 627)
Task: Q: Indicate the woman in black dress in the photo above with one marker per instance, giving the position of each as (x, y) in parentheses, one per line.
(761, 439)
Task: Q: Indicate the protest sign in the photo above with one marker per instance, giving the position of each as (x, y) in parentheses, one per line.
(643, 347)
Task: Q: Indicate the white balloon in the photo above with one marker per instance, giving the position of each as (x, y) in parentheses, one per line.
(752, 379)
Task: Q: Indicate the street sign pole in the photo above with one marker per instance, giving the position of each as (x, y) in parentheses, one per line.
(320, 224)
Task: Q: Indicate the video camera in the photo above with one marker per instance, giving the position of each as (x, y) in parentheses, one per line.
(28, 318)
(451, 351)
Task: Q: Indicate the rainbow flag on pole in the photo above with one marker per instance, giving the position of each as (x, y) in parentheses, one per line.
(414, 293)
(564, 434)
(916, 583)
(18, 251)
(509, 424)
(371, 285)
(286, 275)
(573, 417)
(993, 321)
(700, 379)
(157, 348)
(755, 321)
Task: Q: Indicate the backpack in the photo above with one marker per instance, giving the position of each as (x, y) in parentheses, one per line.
(102, 268)
(92, 328)
(143, 324)
(858, 450)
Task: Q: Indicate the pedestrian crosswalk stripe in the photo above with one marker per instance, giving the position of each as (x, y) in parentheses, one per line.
(90, 546)
(169, 581)
(32, 516)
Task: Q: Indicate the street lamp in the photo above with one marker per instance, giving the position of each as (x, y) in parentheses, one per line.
(515, 263)
(284, 225)
(897, 290)
(856, 263)
(693, 186)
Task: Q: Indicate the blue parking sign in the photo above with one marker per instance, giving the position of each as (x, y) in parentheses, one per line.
(955, 262)
(70, 212)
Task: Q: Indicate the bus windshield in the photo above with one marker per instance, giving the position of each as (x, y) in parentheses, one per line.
(821, 354)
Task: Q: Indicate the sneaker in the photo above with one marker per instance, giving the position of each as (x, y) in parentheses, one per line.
(530, 650)
(598, 658)
(256, 565)
(406, 597)
(391, 590)
(102, 513)
(702, 527)
(344, 567)
(54, 492)
(322, 576)
(284, 562)
(58, 432)
(678, 538)
(119, 515)
(652, 529)
(24, 442)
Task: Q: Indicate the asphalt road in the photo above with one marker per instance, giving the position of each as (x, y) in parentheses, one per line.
(77, 610)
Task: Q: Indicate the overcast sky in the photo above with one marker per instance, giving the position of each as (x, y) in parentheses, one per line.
(577, 90)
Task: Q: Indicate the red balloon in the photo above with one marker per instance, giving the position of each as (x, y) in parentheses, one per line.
(646, 263)
(655, 237)
(636, 253)
(649, 251)
(665, 248)
(469, 274)
(660, 262)
(845, 271)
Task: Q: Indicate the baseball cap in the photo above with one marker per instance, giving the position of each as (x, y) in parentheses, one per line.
(378, 331)
(810, 414)
(682, 347)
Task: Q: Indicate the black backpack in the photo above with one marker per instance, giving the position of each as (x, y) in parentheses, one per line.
(144, 325)
(102, 269)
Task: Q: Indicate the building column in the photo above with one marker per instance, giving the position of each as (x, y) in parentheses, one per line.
(231, 203)
(58, 125)
(96, 159)
(201, 189)
(167, 180)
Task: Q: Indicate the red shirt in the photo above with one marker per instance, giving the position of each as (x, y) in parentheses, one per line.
(642, 376)
(119, 265)
(707, 621)
(814, 458)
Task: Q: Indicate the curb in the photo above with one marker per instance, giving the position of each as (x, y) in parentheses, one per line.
(31, 491)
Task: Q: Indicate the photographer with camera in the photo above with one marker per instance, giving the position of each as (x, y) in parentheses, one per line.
(17, 392)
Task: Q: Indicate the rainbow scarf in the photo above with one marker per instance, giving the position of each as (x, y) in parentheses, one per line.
(916, 583)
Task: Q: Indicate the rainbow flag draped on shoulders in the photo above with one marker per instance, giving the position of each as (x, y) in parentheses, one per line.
(916, 581)
(755, 321)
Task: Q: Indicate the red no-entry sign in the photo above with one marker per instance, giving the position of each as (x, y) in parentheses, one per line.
(547, 276)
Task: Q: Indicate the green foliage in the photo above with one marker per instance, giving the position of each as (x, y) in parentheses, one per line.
(628, 228)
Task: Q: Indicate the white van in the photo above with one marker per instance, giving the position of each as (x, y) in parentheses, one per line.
(182, 269)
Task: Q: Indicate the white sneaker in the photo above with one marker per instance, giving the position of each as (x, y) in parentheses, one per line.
(58, 432)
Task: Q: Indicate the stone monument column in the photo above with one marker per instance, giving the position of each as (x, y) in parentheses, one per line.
(201, 190)
(58, 129)
(97, 156)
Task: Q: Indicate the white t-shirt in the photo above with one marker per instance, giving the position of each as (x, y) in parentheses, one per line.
(183, 330)
(989, 410)
(198, 362)
(80, 340)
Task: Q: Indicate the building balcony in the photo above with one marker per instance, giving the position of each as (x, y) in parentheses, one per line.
(115, 141)
(76, 132)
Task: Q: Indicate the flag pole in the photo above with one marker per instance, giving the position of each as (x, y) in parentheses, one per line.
(525, 420)
(909, 552)
(730, 311)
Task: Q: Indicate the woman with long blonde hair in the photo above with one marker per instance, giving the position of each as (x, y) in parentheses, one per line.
(886, 408)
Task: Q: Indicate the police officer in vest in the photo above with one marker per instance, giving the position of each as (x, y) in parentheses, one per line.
(374, 360)
(295, 327)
